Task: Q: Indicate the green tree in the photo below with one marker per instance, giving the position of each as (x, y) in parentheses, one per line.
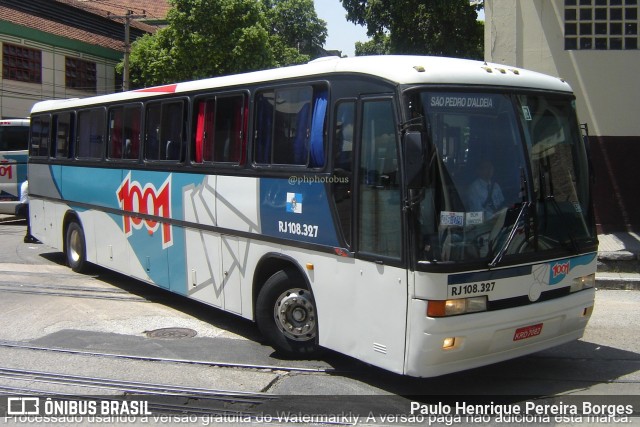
(297, 25)
(431, 27)
(378, 45)
(206, 38)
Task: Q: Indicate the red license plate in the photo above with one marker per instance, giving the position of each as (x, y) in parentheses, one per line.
(527, 332)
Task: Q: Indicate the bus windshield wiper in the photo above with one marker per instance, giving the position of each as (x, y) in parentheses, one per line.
(524, 209)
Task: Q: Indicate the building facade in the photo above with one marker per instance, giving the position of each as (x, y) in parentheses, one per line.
(53, 49)
(594, 45)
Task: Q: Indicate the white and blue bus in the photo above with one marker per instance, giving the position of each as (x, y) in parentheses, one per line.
(424, 215)
(14, 152)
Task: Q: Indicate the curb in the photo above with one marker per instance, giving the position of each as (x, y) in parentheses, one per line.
(10, 218)
(618, 281)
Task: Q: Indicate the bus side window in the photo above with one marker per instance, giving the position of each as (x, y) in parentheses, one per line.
(264, 126)
(203, 134)
(91, 133)
(343, 165)
(379, 190)
(291, 126)
(229, 133)
(40, 136)
(124, 132)
(172, 131)
(152, 132)
(63, 135)
(115, 132)
(132, 118)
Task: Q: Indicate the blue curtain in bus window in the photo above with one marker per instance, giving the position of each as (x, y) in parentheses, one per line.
(317, 130)
(264, 129)
(299, 143)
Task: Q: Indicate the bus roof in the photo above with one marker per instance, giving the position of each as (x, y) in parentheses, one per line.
(397, 69)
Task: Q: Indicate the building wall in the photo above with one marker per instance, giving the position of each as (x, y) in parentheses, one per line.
(531, 34)
(17, 98)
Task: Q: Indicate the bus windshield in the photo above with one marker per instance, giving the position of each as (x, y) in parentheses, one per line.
(506, 174)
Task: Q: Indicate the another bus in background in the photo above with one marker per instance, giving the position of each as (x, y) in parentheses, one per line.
(14, 144)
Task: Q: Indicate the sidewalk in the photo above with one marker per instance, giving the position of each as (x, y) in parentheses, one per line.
(618, 259)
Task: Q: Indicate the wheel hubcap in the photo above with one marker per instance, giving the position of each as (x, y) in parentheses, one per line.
(295, 314)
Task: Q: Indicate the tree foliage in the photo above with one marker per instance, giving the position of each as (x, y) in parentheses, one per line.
(431, 27)
(296, 23)
(208, 38)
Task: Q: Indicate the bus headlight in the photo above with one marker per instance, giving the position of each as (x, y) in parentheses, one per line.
(453, 307)
(584, 282)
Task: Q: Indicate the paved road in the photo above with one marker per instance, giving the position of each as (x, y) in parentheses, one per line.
(101, 335)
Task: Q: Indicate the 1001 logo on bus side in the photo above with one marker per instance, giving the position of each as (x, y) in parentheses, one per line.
(147, 200)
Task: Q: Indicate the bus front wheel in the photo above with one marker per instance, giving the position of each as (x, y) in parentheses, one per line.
(286, 315)
(75, 247)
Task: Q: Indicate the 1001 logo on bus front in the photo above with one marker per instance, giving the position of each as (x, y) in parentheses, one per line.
(147, 200)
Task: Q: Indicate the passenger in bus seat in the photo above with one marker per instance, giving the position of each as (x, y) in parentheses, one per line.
(485, 194)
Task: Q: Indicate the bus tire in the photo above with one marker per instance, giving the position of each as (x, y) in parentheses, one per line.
(75, 247)
(286, 315)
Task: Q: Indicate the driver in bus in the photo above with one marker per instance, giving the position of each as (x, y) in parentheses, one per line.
(485, 194)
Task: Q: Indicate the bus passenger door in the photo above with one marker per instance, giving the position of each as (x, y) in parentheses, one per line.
(364, 314)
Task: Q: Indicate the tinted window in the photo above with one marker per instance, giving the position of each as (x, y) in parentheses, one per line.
(91, 127)
(290, 126)
(40, 136)
(220, 129)
(124, 132)
(165, 131)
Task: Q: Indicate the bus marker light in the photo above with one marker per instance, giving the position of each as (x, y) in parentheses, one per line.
(310, 266)
(449, 343)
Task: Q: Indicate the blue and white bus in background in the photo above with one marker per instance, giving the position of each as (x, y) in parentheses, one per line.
(424, 215)
(14, 153)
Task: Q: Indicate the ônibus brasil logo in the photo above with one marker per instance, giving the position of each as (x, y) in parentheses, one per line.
(147, 200)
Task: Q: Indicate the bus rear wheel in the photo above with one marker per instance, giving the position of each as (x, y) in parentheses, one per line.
(286, 315)
(75, 247)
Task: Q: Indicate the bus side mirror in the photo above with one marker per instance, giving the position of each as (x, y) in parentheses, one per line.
(414, 160)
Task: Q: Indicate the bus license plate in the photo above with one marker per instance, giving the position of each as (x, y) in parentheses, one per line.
(527, 332)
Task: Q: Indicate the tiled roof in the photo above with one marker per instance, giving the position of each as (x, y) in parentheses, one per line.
(81, 26)
(114, 7)
(154, 9)
(58, 29)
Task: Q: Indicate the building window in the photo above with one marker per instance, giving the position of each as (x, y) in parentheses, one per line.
(80, 75)
(601, 25)
(21, 63)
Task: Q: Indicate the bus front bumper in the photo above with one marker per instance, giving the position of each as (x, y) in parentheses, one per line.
(444, 345)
